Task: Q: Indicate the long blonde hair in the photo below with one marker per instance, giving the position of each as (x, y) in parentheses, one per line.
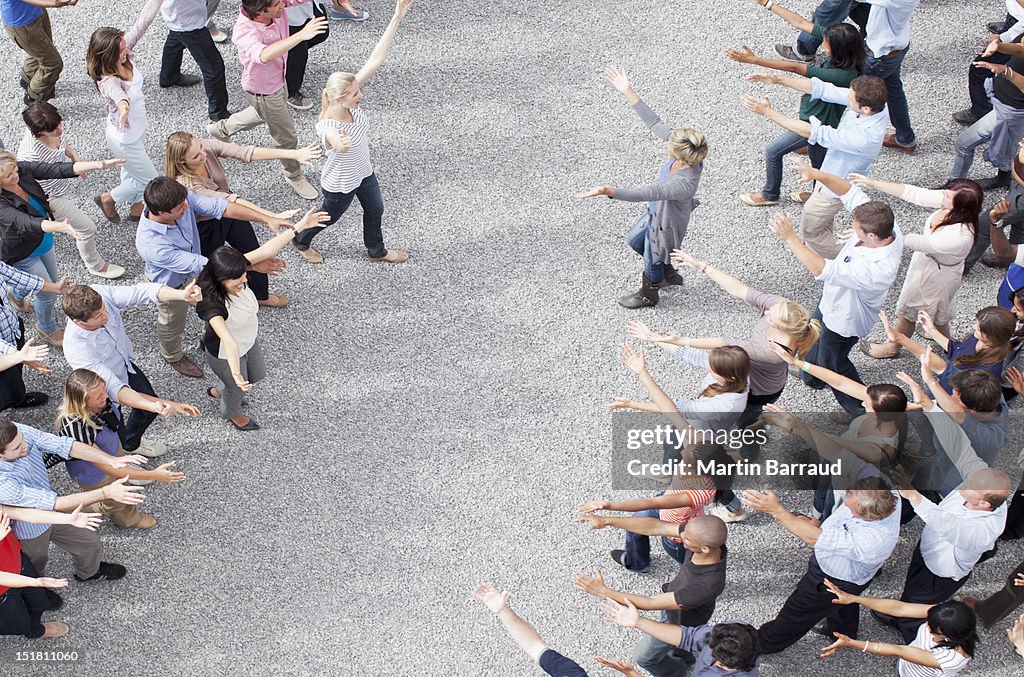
(794, 320)
(337, 84)
(175, 151)
(74, 406)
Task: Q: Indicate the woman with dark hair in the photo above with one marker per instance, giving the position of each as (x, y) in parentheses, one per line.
(985, 348)
(937, 267)
(229, 309)
(945, 642)
(846, 54)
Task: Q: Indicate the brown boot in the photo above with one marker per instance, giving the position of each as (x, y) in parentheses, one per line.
(645, 297)
(672, 278)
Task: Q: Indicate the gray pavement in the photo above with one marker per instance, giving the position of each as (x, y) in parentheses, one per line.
(435, 424)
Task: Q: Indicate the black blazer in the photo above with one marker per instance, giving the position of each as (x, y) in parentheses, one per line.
(21, 231)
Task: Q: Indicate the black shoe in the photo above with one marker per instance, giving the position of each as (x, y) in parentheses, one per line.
(56, 601)
(822, 628)
(992, 261)
(645, 297)
(1000, 180)
(672, 278)
(965, 117)
(184, 80)
(217, 117)
(108, 571)
(884, 619)
(27, 99)
(619, 557)
(251, 425)
(996, 26)
(23, 83)
(32, 400)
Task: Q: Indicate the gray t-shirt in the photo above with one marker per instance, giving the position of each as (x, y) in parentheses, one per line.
(768, 372)
(695, 640)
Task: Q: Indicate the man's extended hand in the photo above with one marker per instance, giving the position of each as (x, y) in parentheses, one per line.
(592, 585)
(760, 106)
(625, 615)
(494, 600)
(782, 226)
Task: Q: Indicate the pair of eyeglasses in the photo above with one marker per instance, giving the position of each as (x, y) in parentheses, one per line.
(790, 351)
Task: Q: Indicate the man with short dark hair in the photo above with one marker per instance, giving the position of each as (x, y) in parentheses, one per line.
(852, 145)
(25, 482)
(168, 241)
(849, 549)
(856, 281)
(95, 339)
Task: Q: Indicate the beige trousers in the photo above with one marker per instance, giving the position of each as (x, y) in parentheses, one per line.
(271, 109)
(818, 222)
(170, 325)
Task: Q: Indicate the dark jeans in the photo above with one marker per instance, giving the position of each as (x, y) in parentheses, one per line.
(924, 587)
(336, 204)
(202, 48)
(1015, 516)
(998, 606)
(831, 12)
(809, 603)
(1015, 218)
(298, 57)
(138, 421)
(832, 352)
(12, 381)
(638, 548)
(976, 77)
(784, 144)
(888, 68)
(639, 240)
(214, 233)
(21, 609)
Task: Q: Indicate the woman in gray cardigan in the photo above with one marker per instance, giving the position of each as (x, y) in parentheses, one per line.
(661, 228)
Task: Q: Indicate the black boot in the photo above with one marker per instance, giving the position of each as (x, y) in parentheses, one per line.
(1000, 180)
(646, 297)
(672, 278)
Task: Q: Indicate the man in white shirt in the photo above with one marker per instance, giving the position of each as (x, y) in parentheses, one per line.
(856, 281)
(186, 24)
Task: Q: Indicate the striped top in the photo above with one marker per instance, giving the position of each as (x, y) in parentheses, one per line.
(34, 150)
(700, 489)
(952, 661)
(24, 481)
(343, 172)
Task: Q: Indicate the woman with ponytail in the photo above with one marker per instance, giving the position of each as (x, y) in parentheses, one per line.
(343, 129)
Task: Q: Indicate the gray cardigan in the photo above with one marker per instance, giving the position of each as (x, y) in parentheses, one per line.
(675, 195)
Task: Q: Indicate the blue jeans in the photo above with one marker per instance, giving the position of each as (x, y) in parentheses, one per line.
(832, 352)
(786, 143)
(888, 68)
(336, 204)
(827, 13)
(638, 548)
(44, 266)
(639, 241)
(963, 149)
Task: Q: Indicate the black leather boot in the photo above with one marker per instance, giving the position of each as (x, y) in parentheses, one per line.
(672, 278)
(1001, 180)
(646, 297)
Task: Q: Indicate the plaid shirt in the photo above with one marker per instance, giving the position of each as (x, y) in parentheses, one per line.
(24, 482)
(10, 328)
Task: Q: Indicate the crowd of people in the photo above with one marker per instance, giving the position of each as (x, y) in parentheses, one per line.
(930, 456)
(926, 447)
(197, 243)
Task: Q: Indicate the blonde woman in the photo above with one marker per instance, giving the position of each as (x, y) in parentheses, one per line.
(195, 164)
(343, 128)
(87, 416)
(670, 201)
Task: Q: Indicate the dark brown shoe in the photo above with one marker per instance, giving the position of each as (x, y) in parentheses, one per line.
(992, 261)
(108, 207)
(890, 142)
(186, 367)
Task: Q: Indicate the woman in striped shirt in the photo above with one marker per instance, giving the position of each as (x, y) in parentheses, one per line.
(944, 645)
(343, 129)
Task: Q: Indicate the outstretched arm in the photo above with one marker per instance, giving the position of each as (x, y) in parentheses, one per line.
(763, 107)
(787, 15)
(521, 632)
(380, 52)
(278, 242)
(782, 226)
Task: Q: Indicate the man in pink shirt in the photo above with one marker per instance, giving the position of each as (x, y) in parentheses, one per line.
(261, 36)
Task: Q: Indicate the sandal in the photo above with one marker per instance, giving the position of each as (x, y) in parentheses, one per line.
(865, 347)
(756, 200)
(800, 197)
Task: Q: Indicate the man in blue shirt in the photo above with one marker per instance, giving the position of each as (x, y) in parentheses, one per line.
(168, 241)
(28, 24)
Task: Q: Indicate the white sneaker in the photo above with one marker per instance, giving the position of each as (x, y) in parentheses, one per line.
(112, 272)
(303, 188)
(151, 449)
(720, 511)
(216, 130)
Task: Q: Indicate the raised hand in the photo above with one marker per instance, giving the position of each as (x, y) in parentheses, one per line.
(592, 585)
(1016, 379)
(182, 409)
(240, 381)
(110, 163)
(287, 214)
(596, 521)
(842, 597)
(85, 520)
(618, 78)
(402, 6)
(30, 352)
(891, 335)
(340, 141)
(804, 169)
(639, 330)
(1001, 209)
(782, 226)
(592, 506)
(622, 666)
(192, 294)
(123, 493)
(618, 403)
(765, 501)
(494, 600)
(743, 55)
(312, 218)
(763, 78)
(633, 359)
(305, 155)
(165, 474)
(625, 615)
(315, 27)
(684, 259)
(842, 642)
(594, 192)
(780, 418)
(753, 104)
(269, 266)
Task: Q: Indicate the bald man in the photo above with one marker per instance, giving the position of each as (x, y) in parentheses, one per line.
(687, 600)
(958, 530)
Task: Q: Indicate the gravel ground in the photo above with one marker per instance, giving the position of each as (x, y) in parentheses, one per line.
(435, 424)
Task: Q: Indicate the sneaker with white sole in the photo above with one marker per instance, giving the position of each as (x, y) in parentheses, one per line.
(299, 102)
(216, 130)
(151, 449)
(721, 512)
(112, 272)
(303, 188)
(357, 14)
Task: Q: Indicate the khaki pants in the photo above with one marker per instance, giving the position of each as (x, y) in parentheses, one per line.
(124, 516)
(43, 65)
(84, 545)
(170, 325)
(271, 109)
(84, 227)
(818, 221)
